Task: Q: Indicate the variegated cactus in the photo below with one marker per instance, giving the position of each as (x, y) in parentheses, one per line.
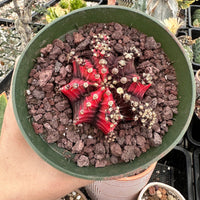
(105, 96)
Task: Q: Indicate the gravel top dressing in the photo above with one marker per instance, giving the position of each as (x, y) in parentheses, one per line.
(107, 93)
(7, 10)
(158, 192)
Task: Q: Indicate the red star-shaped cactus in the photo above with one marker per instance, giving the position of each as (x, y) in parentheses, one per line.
(101, 95)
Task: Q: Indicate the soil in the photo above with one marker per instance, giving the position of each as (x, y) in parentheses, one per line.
(147, 117)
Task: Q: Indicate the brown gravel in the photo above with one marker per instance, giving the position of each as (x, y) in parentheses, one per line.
(52, 113)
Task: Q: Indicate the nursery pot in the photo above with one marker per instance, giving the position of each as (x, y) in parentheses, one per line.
(193, 132)
(174, 192)
(126, 188)
(104, 14)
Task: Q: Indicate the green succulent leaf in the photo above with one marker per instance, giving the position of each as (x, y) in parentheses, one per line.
(3, 103)
(64, 4)
(76, 4)
(62, 8)
(196, 23)
(59, 11)
(183, 4)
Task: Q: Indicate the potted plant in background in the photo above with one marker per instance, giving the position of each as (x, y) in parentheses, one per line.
(75, 195)
(158, 190)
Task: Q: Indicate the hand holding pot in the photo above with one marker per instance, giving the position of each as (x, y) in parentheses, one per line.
(23, 174)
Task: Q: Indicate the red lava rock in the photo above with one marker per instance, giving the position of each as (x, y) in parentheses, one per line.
(68, 145)
(73, 137)
(117, 35)
(62, 58)
(52, 137)
(78, 37)
(167, 113)
(38, 94)
(119, 48)
(48, 87)
(44, 77)
(64, 118)
(140, 140)
(99, 156)
(47, 105)
(83, 161)
(137, 151)
(115, 149)
(63, 72)
(101, 163)
(37, 117)
(47, 126)
(54, 122)
(151, 43)
(83, 44)
(114, 159)
(156, 140)
(128, 140)
(77, 148)
(61, 106)
(88, 149)
(46, 49)
(38, 128)
(69, 39)
(59, 43)
(55, 52)
(137, 54)
(128, 153)
(90, 141)
(57, 66)
(99, 148)
(126, 39)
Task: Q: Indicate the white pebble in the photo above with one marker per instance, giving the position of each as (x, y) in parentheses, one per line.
(28, 92)
(78, 197)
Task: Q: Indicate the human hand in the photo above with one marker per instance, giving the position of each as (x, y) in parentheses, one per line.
(23, 174)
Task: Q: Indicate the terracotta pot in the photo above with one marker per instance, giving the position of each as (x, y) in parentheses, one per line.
(126, 188)
(169, 188)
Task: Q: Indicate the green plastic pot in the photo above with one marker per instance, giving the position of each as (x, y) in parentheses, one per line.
(186, 88)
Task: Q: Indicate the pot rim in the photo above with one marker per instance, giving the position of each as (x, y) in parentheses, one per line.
(140, 175)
